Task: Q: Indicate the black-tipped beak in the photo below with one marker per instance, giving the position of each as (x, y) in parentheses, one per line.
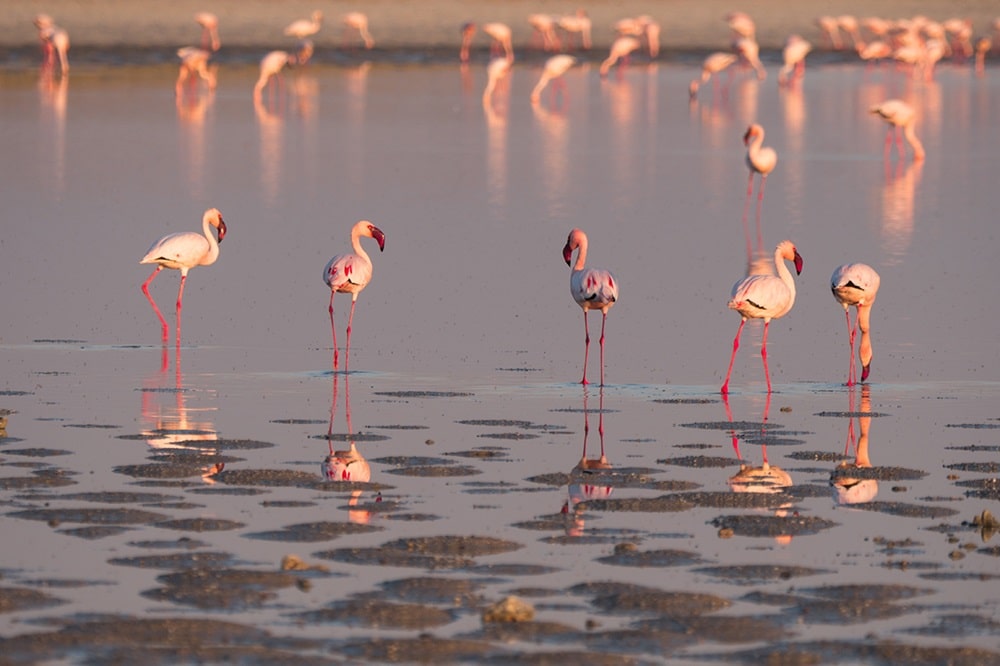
(379, 238)
(222, 229)
(865, 370)
(567, 253)
(798, 263)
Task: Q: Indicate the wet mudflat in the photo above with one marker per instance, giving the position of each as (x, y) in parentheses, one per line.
(152, 499)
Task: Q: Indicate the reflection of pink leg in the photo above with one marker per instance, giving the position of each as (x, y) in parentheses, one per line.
(732, 432)
(145, 290)
(746, 218)
(888, 143)
(736, 345)
(760, 204)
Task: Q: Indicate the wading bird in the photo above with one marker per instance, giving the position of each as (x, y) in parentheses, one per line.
(857, 285)
(555, 67)
(592, 289)
(900, 117)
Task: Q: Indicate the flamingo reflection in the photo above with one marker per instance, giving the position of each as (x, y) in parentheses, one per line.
(898, 203)
(174, 425)
(347, 465)
(847, 488)
(191, 112)
(586, 471)
(53, 95)
(55, 43)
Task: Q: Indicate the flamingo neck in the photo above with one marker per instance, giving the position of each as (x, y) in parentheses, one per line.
(784, 273)
(581, 257)
(356, 243)
(911, 137)
(213, 244)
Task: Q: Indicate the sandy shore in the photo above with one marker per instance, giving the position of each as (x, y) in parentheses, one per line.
(687, 24)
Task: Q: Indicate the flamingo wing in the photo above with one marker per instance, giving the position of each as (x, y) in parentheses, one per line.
(178, 251)
(594, 288)
(760, 297)
(347, 272)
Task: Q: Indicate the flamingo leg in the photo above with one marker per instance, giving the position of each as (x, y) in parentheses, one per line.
(760, 205)
(604, 319)
(850, 337)
(145, 290)
(732, 432)
(746, 217)
(736, 345)
(350, 320)
(586, 347)
(180, 299)
(763, 356)
(901, 152)
(887, 149)
(333, 330)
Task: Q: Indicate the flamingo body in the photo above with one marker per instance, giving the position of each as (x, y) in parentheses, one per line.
(303, 28)
(764, 297)
(620, 48)
(794, 56)
(555, 67)
(713, 64)
(350, 273)
(502, 39)
(591, 288)
(359, 21)
(495, 72)
(901, 117)
(194, 61)
(857, 285)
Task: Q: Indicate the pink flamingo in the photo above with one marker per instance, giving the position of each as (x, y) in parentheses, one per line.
(359, 21)
(501, 35)
(350, 273)
(794, 56)
(900, 117)
(304, 28)
(713, 64)
(183, 251)
(194, 61)
(760, 160)
(545, 27)
(274, 62)
(592, 289)
(55, 42)
(555, 67)
(621, 48)
(577, 24)
(468, 32)
(764, 297)
(857, 285)
(742, 25)
(209, 30)
(496, 71)
(749, 50)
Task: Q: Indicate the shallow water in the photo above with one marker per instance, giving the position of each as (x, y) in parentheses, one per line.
(466, 351)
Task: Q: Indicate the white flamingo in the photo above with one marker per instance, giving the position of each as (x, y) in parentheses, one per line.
(900, 117)
(359, 21)
(350, 273)
(764, 297)
(621, 48)
(183, 251)
(713, 64)
(194, 62)
(794, 56)
(303, 28)
(501, 35)
(555, 67)
(496, 71)
(592, 289)
(762, 160)
(857, 285)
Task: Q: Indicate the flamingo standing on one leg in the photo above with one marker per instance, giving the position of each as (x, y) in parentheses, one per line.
(555, 67)
(857, 285)
(359, 21)
(761, 160)
(764, 297)
(592, 289)
(900, 117)
(468, 32)
(209, 30)
(621, 48)
(183, 251)
(350, 273)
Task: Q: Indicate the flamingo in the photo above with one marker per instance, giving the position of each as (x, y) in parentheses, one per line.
(713, 64)
(983, 46)
(209, 23)
(874, 50)
(764, 297)
(183, 251)
(495, 71)
(749, 50)
(545, 27)
(194, 61)
(271, 66)
(555, 67)
(359, 21)
(500, 32)
(742, 25)
(641, 27)
(592, 289)
(468, 32)
(849, 24)
(900, 117)
(857, 285)
(55, 41)
(794, 55)
(350, 273)
(829, 28)
(578, 23)
(303, 28)
(760, 160)
(620, 49)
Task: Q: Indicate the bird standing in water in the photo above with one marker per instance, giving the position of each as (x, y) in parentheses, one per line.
(857, 285)
(592, 289)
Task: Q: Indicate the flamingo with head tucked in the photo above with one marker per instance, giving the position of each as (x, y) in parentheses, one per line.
(350, 273)
(764, 297)
(857, 285)
(592, 289)
(183, 251)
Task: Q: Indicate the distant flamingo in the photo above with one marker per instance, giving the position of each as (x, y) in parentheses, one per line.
(749, 50)
(713, 64)
(874, 50)
(742, 25)
(359, 21)
(270, 68)
(764, 297)
(900, 117)
(794, 56)
(303, 28)
(641, 27)
(857, 285)
(209, 30)
(830, 29)
(577, 24)
(555, 67)
(350, 273)
(501, 35)
(183, 251)
(468, 32)
(983, 46)
(592, 289)
(760, 160)
(545, 27)
(194, 61)
(621, 48)
(495, 72)
(55, 42)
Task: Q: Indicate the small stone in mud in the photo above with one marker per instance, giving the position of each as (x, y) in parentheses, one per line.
(786, 409)
(626, 547)
(296, 563)
(899, 489)
(511, 609)
(726, 533)
(429, 442)
(956, 555)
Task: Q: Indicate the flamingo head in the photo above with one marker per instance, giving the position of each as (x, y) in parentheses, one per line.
(786, 250)
(215, 219)
(751, 132)
(377, 234)
(222, 229)
(798, 262)
(865, 371)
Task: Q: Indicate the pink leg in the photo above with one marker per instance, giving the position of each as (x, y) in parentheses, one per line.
(145, 290)
(333, 330)
(736, 345)
(746, 218)
(180, 298)
(586, 347)
(732, 433)
(760, 204)
(350, 321)
(888, 143)
(604, 319)
(900, 151)
(763, 356)
(850, 337)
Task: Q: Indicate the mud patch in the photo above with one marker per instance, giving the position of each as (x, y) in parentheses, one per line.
(268, 478)
(878, 473)
(423, 650)
(661, 602)
(438, 552)
(95, 516)
(700, 462)
(752, 574)
(650, 558)
(200, 524)
(221, 589)
(313, 532)
(906, 510)
(174, 561)
(17, 599)
(381, 614)
(41, 479)
(454, 592)
(37, 453)
(773, 526)
(727, 629)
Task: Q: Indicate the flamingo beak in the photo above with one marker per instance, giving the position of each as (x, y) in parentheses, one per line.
(379, 237)
(865, 370)
(222, 229)
(746, 137)
(567, 253)
(798, 263)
